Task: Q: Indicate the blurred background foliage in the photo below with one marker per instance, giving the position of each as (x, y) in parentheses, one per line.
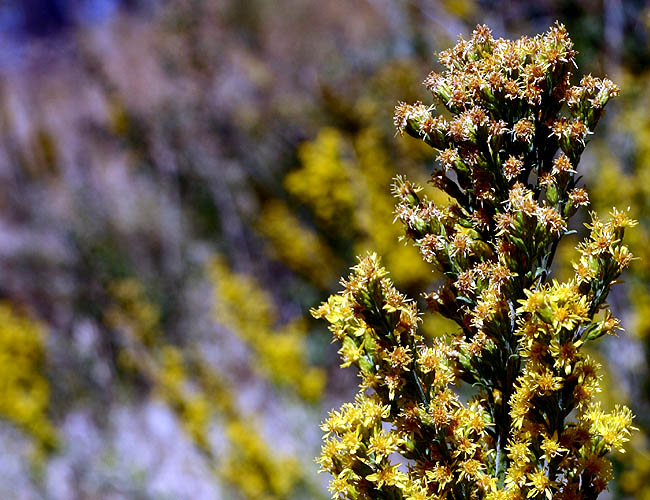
(181, 180)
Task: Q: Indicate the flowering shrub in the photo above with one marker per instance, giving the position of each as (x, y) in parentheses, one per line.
(25, 390)
(505, 408)
(198, 392)
(340, 181)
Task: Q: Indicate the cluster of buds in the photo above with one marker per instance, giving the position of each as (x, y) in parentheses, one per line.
(508, 147)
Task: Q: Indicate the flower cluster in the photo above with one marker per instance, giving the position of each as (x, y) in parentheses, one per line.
(508, 142)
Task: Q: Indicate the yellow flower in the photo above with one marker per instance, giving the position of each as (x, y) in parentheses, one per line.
(339, 486)
(551, 447)
(546, 382)
(470, 469)
(516, 475)
(565, 355)
(519, 452)
(382, 444)
(389, 476)
(540, 483)
(440, 474)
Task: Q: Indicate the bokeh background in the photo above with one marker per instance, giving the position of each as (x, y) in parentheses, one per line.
(181, 180)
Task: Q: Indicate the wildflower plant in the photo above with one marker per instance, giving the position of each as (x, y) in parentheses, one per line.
(505, 408)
